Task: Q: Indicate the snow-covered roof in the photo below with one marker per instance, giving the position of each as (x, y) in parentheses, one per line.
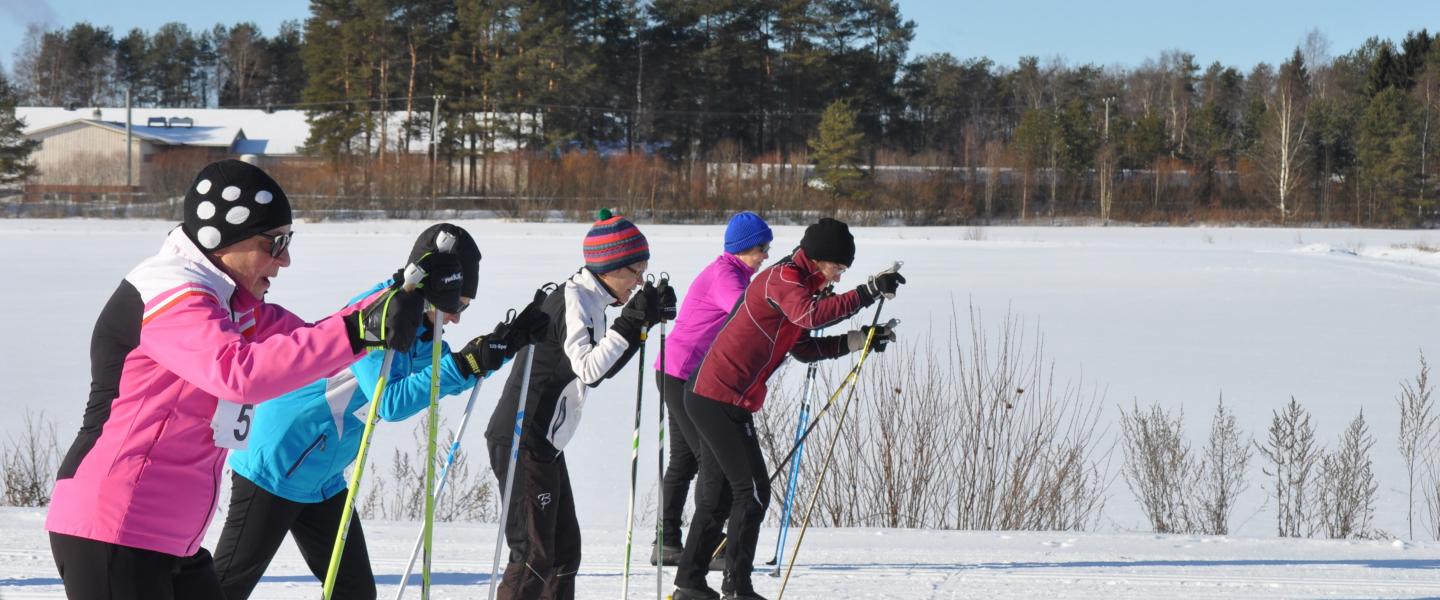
(217, 137)
(278, 133)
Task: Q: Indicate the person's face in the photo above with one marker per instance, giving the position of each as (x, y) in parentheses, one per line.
(453, 318)
(756, 256)
(831, 270)
(624, 280)
(250, 262)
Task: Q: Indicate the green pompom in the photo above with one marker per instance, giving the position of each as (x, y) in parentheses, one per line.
(603, 214)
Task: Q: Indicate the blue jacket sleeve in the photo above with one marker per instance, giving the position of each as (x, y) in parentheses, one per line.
(408, 390)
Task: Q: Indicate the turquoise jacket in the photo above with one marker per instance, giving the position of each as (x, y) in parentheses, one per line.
(304, 440)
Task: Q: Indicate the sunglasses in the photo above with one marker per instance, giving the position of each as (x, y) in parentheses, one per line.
(278, 242)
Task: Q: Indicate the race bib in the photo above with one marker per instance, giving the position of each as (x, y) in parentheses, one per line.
(231, 424)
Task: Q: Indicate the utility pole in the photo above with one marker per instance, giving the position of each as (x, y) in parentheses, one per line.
(129, 145)
(639, 76)
(434, 146)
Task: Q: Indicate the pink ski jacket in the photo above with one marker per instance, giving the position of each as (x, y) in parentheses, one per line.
(708, 302)
(144, 470)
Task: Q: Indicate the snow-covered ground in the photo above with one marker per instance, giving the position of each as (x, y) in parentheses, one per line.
(1335, 318)
(876, 563)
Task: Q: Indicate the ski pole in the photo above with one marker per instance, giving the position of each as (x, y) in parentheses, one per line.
(845, 384)
(413, 275)
(660, 470)
(794, 468)
(634, 467)
(433, 416)
(440, 489)
(830, 452)
(510, 470)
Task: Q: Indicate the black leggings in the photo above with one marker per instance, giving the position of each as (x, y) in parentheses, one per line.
(684, 459)
(256, 526)
(731, 457)
(95, 570)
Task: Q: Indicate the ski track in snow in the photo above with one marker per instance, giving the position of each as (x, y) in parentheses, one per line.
(873, 563)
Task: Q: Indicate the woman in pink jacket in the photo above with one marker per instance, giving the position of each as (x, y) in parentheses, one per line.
(708, 302)
(179, 354)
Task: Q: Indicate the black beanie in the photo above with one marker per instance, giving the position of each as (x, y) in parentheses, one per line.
(231, 201)
(464, 247)
(829, 240)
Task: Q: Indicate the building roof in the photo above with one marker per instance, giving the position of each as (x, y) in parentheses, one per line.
(217, 137)
(277, 133)
(258, 132)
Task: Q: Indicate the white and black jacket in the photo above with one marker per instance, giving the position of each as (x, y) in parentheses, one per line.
(577, 352)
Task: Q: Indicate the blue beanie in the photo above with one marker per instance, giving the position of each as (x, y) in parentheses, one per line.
(745, 231)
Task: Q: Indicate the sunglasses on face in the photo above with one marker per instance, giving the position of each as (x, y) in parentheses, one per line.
(278, 242)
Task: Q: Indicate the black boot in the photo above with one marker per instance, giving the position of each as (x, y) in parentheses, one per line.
(742, 595)
(700, 593)
(672, 554)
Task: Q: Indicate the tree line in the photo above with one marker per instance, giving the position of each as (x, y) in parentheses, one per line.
(1312, 137)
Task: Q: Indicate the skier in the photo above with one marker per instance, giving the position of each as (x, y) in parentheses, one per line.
(773, 320)
(292, 477)
(575, 352)
(183, 347)
(708, 301)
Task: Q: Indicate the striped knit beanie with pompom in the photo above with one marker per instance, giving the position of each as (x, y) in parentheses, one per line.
(614, 242)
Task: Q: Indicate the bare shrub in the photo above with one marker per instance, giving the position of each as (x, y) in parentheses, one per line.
(1222, 467)
(976, 436)
(1347, 485)
(399, 495)
(1158, 466)
(29, 462)
(1417, 431)
(1293, 457)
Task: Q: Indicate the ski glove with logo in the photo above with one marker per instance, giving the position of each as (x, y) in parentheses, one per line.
(884, 334)
(441, 286)
(486, 353)
(884, 283)
(390, 322)
(669, 305)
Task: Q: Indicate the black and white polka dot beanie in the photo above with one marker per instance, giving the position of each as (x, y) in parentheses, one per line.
(231, 201)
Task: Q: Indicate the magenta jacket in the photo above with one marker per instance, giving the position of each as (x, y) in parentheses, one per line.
(708, 302)
(176, 335)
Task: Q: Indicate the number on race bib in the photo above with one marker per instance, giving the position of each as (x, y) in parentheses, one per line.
(231, 424)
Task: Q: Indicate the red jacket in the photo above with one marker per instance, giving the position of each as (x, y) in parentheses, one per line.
(773, 320)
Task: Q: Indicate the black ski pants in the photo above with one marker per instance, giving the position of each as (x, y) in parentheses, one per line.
(541, 529)
(257, 524)
(93, 570)
(731, 458)
(684, 461)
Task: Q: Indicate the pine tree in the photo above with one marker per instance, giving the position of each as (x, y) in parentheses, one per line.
(1388, 153)
(838, 150)
(15, 149)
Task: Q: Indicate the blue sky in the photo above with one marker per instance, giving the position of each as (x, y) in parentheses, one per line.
(1125, 32)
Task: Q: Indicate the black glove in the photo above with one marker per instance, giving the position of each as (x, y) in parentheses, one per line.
(441, 285)
(884, 283)
(528, 327)
(389, 322)
(486, 353)
(884, 334)
(669, 305)
(641, 313)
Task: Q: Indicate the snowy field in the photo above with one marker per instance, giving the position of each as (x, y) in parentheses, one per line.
(1335, 318)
